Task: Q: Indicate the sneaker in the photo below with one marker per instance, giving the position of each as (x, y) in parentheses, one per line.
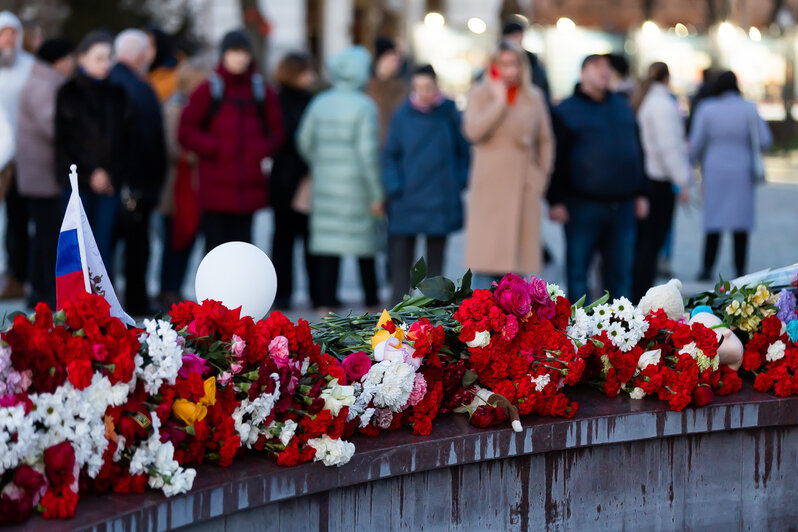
(14, 289)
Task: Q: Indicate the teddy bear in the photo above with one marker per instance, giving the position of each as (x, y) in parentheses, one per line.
(667, 297)
(730, 348)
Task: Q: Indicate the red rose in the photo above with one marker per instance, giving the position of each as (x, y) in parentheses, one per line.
(702, 396)
(80, 373)
(59, 461)
(356, 365)
(488, 416)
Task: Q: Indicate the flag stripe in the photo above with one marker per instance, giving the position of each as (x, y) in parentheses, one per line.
(68, 258)
(68, 287)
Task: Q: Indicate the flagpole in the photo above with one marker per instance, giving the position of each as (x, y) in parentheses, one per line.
(73, 181)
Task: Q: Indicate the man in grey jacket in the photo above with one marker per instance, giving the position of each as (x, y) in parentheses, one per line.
(15, 66)
(36, 179)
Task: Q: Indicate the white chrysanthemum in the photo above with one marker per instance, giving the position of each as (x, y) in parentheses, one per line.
(332, 452)
(390, 382)
(248, 416)
(775, 351)
(637, 393)
(164, 352)
(579, 327)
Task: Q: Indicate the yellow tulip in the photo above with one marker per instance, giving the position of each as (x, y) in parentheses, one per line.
(382, 335)
(210, 392)
(189, 412)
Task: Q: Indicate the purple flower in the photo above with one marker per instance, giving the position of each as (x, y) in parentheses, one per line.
(512, 295)
(191, 364)
(786, 305)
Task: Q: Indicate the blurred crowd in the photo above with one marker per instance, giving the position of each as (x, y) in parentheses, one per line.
(376, 158)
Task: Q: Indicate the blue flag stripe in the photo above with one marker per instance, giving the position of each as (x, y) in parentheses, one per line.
(68, 258)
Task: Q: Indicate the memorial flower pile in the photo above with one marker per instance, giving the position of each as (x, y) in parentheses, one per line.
(89, 405)
(72, 410)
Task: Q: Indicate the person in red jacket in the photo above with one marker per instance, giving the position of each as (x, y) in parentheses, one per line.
(233, 123)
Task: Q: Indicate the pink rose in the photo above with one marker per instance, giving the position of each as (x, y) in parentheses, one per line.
(191, 364)
(278, 347)
(224, 378)
(539, 291)
(356, 365)
(512, 295)
(238, 346)
(236, 368)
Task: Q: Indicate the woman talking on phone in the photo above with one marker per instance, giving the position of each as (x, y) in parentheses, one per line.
(507, 121)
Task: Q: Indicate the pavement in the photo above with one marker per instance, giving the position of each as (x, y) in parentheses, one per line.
(774, 242)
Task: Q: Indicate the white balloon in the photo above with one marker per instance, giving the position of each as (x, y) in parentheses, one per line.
(238, 274)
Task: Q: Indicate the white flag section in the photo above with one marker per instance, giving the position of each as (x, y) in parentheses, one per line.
(78, 252)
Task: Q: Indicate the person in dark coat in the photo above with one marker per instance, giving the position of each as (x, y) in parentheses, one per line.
(598, 188)
(140, 193)
(92, 123)
(424, 170)
(514, 32)
(232, 127)
(294, 77)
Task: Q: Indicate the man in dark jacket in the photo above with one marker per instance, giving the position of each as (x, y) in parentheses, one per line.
(140, 192)
(233, 123)
(598, 186)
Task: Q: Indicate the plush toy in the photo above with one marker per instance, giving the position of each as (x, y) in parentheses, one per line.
(666, 296)
(730, 349)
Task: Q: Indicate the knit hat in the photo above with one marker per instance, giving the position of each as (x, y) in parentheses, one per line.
(54, 49)
(236, 40)
(383, 45)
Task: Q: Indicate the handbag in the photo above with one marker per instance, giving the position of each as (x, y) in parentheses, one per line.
(758, 174)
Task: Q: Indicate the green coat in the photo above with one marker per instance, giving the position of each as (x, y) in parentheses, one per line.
(338, 137)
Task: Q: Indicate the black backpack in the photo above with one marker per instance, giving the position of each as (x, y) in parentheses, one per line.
(217, 97)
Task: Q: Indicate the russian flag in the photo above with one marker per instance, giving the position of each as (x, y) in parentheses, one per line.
(79, 266)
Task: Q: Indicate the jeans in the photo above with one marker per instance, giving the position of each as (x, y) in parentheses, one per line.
(101, 210)
(608, 228)
(402, 257)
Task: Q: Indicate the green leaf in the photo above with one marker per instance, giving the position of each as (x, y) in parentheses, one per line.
(438, 288)
(418, 273)
(600, 301)
(464, 291)
(581, 302)
(469, 378)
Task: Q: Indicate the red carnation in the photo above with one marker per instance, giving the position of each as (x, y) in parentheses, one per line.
(80, 373)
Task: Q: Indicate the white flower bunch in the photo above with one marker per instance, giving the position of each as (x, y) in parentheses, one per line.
(156, 460)
(250, 415)
(389, 383)
(541, 382)
(579, 327)
(332, 452)
(162, 350)
(554, 291)
(624, 323)
(65, 415)
(481, 339)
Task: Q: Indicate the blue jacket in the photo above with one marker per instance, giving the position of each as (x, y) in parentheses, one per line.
(424, 170)
(599, 156)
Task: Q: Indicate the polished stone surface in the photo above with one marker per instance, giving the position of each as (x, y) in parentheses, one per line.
(254, 481)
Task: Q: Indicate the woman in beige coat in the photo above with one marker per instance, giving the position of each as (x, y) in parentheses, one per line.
(507, 121)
